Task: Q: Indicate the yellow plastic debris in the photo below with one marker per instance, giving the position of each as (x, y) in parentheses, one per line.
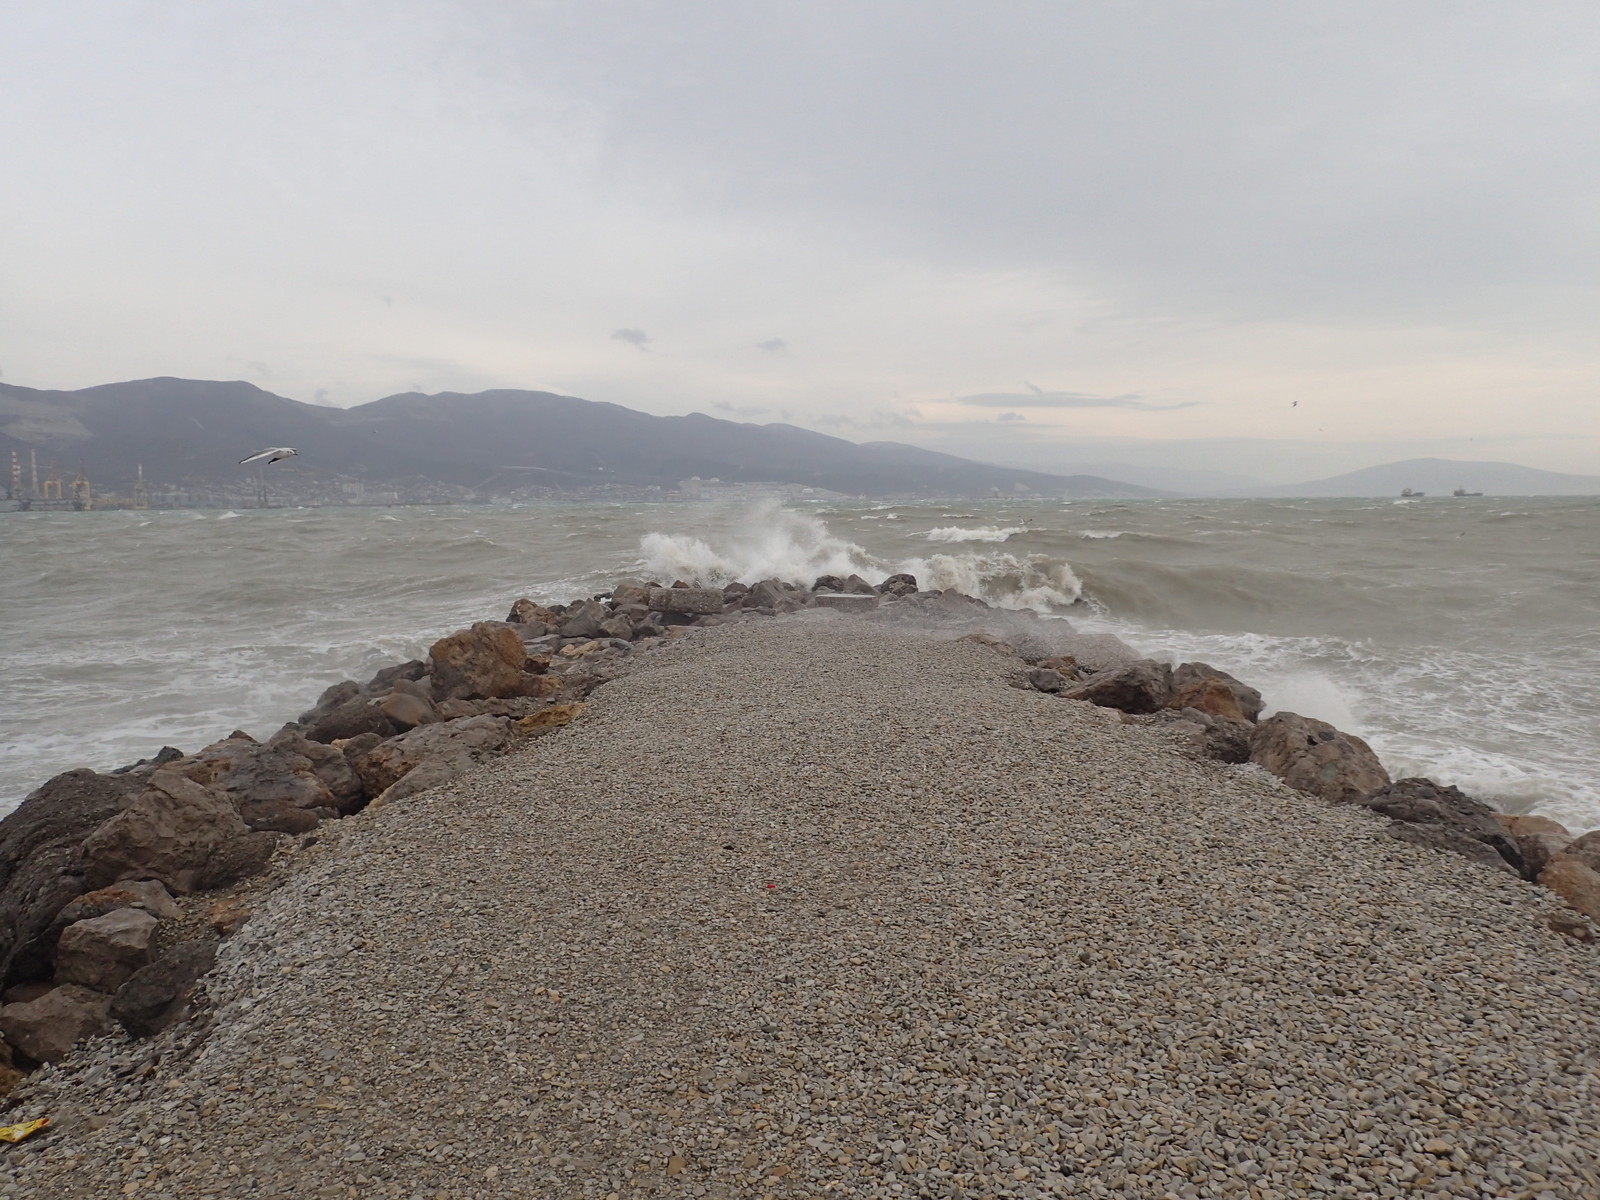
(15, 1133)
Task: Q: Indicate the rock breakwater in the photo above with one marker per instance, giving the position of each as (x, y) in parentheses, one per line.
(117, 888)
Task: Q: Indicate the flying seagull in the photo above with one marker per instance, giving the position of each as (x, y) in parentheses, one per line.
(271, 456)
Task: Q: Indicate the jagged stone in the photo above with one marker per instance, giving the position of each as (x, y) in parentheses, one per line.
(479, 663)
(168, 833)
(1315, 757)
(46, 1028)
(157, 994)
(102, 952)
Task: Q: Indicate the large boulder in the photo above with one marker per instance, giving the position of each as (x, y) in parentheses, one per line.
(1586, 849)
(349, 718)
(1575, 882)
(446, 750)
(690, 600)
(406, 710)
(144, 894)
(1315, 757)
(239, 857)
(1424, 803)
(582, 620)
(898, 585)
(46, 1028)
(765, 593)
(479, 663)
(1203, 687)
(41, 866)
(101, 953)
(157, 995)
(290, 769)
(526, 612)
(1453, 840)
(168, 833)
(1137, 687)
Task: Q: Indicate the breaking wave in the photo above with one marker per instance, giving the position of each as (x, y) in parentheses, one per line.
(984, 533)
(799, 547)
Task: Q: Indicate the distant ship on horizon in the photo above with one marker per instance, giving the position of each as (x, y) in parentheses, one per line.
(1408, 494)
(1464, 492)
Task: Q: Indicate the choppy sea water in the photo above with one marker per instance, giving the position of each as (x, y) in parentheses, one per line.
(1458, 636)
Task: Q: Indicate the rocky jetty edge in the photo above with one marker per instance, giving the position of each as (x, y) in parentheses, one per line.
(117, 888)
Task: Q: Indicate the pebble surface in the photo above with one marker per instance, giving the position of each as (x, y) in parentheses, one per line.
(813, 907)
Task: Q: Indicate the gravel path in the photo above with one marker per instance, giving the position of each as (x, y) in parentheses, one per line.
(807, 907)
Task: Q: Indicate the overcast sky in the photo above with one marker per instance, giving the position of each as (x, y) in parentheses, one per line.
(1279, 236)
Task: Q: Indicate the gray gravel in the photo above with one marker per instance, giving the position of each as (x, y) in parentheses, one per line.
(809, 907)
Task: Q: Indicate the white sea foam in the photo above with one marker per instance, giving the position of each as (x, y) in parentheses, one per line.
(1096, 535)
(984, 533)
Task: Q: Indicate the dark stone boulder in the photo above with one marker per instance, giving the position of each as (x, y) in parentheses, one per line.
(414, 671)
(765, 593)
(687, 600)
(1429, 805)
(157, 995)
(1196, 685)
(582, 620)
(41, 866)
(1315, 757)
(332, 697)
(734, 590)
(239, 857)
(1453, 840)
(828, 583)
(1138, 687)
(406, 710)
(857, 586)
(898, 585)
(278, 816)
(357, 715)
(526, 612)
(1047, 679)
(439, 752)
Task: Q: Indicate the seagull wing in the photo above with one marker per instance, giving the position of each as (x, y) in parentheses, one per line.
(257, 455)
(272, 455)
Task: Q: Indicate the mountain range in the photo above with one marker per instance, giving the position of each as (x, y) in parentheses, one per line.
(1439, 477)
(193, 432)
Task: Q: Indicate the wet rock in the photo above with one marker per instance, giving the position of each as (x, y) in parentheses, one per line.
(333, 696)
(355, 716)
(1455, 841)
(41, 865)
(1538, 849)
(157, 994)
(1516, 826)
(406, 711)
(1573, 880)
(46, 1028)
(144, 894)
(238, 858)
(1424, 802)
(734, 590)
(620, 626)
(1586, 850)
(692, 601)
(278, 816)
(526, 612)
(857, 586)
(289, 768)
(415, 671)
(630, 591)
(1315, 757)
(1047, 679)
(765, 593)
(582, 620)
(447, 749)
(828, 583)
(168, 833)
(1138, 687)
(482, 662)
(898, 585)
(1196, 685)
(102, 952)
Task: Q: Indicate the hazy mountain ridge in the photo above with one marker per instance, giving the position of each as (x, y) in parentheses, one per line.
(189, 431)
(1438, 477)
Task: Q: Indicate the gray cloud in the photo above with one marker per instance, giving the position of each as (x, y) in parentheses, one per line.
(1011, 416)
(634, 337)
(740, 410)
(775, 345)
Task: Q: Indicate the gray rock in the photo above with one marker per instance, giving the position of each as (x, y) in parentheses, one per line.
(451, 747)
(898, 585)
(844, 601)
(102, 952)
(582, 620)
(46, 1028)
(239, 857)
(157, 994)
(415, 671)
(357, 715)
(828, 583)
(766, 593)
(406, 711)
(694, 601)
(1441, 837)
(1047, 679)
(1426, 803)
(858, 586)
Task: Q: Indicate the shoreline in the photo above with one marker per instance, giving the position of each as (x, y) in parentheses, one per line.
(450, 983)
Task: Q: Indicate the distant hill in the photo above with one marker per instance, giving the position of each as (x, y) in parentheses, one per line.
(190, 432)
(1440, 477)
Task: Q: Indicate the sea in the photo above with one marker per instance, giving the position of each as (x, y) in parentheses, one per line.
(1458, 636)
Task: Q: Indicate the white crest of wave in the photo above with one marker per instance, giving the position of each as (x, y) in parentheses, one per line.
(798, 547)
(984, 533)
(1095, 535)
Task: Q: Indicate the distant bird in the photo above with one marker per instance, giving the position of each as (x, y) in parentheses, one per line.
(271, 456)
(1294, 404)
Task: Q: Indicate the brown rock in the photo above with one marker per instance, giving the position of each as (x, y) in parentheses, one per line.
(998, 645)
(455, 745)
(145, 894)
(552, 717)
(406, 711)
(526, 612)
(857, 586)
(1538, 849)
(1571, 926)
(478, 663)
(46, 1028)
(1197, 685)
(41, 867)
(1443, 837)
(278, 816)
(1528, 823)
(1423, 802)
(1137, 687)
(229, 913)
(898, 585)
(157, 995)
(102, 952)
(355, 716)
(168, 833)
(1315, 757)
(1064, 663)
(1574, 881)
(1586, 849)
